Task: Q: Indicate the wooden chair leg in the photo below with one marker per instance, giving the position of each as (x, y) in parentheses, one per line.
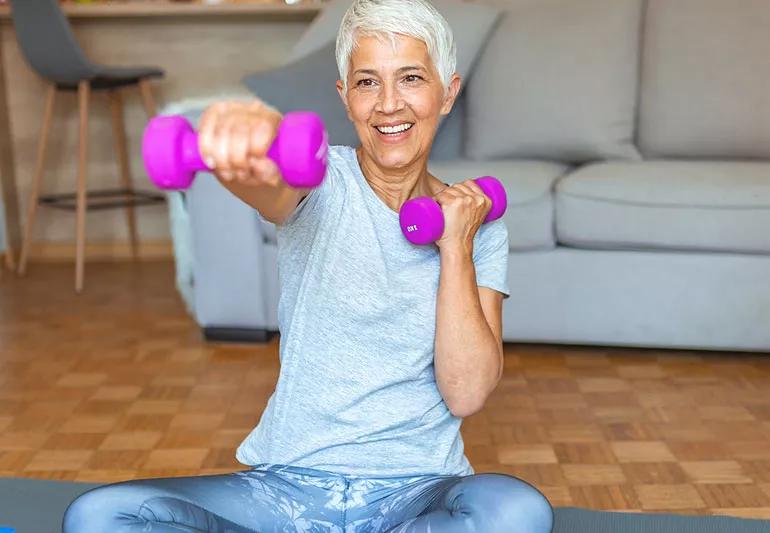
(38, 177)
(84, 92)
(147, 98)
(8, 260)
(121, 149)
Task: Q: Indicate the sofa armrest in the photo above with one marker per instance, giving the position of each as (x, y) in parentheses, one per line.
(228, 258)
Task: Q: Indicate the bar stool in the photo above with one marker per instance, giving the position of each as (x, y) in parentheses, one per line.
(49, 46)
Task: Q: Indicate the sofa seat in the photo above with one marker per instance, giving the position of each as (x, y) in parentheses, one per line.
(715, 206)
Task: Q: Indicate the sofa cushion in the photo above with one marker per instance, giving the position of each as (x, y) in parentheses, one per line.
(528, 185)
(557, 81)
(308, 83)
(471, 25)
(677, 205)
(705, 79)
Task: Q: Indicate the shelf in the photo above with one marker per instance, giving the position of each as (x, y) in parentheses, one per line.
(176, 9)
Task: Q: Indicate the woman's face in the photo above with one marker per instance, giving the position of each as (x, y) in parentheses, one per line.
(395, 98)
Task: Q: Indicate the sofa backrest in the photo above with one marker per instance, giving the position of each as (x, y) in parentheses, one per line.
(705, 79)
(557, 80)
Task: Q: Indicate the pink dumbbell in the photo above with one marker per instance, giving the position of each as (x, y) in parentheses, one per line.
(422, 220)
(171, 155)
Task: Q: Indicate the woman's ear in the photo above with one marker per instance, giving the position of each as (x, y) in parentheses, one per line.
(344, 98)
(451, 95)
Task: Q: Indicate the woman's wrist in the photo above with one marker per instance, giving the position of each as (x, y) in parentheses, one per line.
(456, 251)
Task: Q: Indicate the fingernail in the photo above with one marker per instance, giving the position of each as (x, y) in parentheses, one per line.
(209, 162)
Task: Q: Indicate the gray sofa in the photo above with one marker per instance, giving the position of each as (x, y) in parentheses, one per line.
(633, 138)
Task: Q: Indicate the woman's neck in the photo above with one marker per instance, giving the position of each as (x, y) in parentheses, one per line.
(396, 186)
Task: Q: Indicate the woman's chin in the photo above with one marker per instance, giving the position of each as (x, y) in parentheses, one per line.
(396, 156)
(396, 160)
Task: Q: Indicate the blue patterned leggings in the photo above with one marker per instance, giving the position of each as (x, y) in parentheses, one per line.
(279, 498)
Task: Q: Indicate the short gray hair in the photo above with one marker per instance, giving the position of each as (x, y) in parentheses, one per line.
(388, 18)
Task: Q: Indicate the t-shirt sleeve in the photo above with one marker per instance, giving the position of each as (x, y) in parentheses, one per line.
(490, 257)
(311, 206)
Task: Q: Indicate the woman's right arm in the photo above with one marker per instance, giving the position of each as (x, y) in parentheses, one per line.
(234, 138)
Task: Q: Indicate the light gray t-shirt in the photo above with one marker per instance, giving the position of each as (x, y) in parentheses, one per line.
(356, 392)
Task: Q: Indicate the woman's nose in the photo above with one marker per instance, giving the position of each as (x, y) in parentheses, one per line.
(390, 99)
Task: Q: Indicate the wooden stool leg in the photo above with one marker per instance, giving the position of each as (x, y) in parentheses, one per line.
(84, 92)
(147, 99)
(119, 129)
(38, 177)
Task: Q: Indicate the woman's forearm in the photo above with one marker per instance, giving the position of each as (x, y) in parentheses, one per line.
(274, 203)
(468, 358)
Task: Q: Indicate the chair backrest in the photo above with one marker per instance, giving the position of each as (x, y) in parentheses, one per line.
(47, 42)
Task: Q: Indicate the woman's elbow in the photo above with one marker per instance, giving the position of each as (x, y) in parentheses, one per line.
(470, 405)
(467, 407)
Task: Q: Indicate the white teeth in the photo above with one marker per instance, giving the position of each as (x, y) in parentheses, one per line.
(394, 129)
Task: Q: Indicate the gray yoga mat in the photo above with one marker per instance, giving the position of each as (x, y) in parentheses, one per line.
(36, 506)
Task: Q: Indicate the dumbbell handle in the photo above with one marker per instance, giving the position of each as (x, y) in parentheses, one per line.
(422, 221)
(172, 157)
(191, 155)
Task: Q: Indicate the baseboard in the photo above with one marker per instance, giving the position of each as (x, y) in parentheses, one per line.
(238, 335)
(101, 251)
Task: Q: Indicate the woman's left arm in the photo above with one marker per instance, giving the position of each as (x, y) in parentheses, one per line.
(468, 358)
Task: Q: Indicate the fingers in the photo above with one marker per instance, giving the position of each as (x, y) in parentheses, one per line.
(267, 170)
(238, 134)
(466, 195)
(234, 138)
(261, 136)
(480, 197)
(220, 148)
(206, 128)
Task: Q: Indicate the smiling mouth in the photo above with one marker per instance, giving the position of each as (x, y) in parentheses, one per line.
(394, 130)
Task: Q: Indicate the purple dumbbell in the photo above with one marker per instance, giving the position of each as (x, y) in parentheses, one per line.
(422, 220)
(171, 155)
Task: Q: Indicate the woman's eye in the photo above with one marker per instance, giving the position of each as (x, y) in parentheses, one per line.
(411, 78)
(367, 82)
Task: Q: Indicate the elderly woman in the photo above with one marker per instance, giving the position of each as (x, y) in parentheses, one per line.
(385, 346)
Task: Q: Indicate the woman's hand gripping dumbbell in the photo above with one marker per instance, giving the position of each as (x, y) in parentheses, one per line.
(422, 220)
(250, 143)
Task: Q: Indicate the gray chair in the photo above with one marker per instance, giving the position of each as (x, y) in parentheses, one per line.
(49, 46)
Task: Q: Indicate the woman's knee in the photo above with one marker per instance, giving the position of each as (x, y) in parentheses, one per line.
(105, 508)
(505, 503)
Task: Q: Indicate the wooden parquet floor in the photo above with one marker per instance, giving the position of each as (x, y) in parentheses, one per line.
(117, 384)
